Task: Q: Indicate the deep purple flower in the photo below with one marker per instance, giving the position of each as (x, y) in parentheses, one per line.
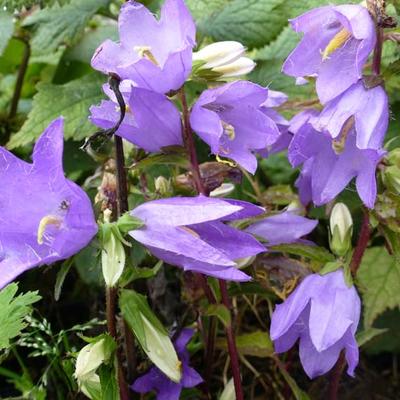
(323, 313)
(336, 44)
(233, 120)
(45, 217)
(189, 232)
(151, 121)
(330, 165)
(157, 55)
(166, 389)
(285, 227)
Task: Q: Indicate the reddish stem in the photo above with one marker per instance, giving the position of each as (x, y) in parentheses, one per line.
(335, 377)
(362, 244)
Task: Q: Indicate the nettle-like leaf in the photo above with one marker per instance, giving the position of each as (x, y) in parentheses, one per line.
(6, 29)
(13, 310)
(61, 24)
(379, 282)
(71, 100)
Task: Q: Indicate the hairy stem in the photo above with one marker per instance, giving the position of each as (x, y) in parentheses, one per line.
(233, 353)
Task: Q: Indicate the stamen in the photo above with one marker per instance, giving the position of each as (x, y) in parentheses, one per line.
(44, 223)
(145, 52)
(228, 162)
(336, 43)
(229, 130)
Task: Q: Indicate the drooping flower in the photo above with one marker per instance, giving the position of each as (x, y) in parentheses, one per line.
(45, 217)
(190, 232)
(166, 389)
(329, 165)
(285, 227)
(323, 314)
(368, 106)
(157, 55)
(232, 121)
(336, 44)
(151, 121)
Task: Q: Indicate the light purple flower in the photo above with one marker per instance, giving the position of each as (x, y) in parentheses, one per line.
(157, 55)
(233, 120)
(45, 217)
(336, 44)
(323, 314)
(189, 232)
(151, 121)
(285, 227)
(368, 107)
(329, 166)
(166, 389)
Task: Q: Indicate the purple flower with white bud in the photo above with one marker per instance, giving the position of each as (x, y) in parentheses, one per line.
(190, 232)
(166, 389)
(234, 121)
(336, 44)
(156, 54)
(45, 217)
(323, 314)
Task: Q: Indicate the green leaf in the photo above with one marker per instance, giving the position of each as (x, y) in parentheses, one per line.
(6, 29)
(71, 100)
(13, 310)
(314, 253)
(368, 334)
(61, 25)
(61, 275)
(108, 382)
(256, 344)
(219, 311)
(379, 281)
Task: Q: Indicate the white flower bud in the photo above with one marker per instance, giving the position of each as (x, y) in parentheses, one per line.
(89, 359)
(219, 53)
(341, 225)
(162, 185)
(241, 66)
(224, 190)
(229, 391)
(112, 260)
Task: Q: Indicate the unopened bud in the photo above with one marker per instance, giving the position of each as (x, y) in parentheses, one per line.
(242, 66)
(341, 226)
(391, 178)
(162, 186)
(219, 53)
(89, 359)
(224, 190)
(112, 259)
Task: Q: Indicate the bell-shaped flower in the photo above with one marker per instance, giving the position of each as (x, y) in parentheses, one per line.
(232, 121)
(166, 389)
(368, 106)
(286, 227)
(323, 314)
(156, 54)
(330, 165)
(45, 217)
(190, 232)
(336, 44)
(151, 120)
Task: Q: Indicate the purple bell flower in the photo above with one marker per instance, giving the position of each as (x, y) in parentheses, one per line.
(151, 121)
(336, 44)
(189, 232)
(328, 165)
(166, 389)
(323, 314)
(285, 227)
(45, 217)
(156, 54)
(233, 120)
(368, 107)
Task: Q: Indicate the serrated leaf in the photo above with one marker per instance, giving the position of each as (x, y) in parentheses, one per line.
(6, 29)
(72, 101)
(61, 24)
(13, 310)
(379, 281)
(368, 334)
(314, 253)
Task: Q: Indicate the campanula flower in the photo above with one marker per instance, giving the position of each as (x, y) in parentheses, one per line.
(166, 389)
(156, 54)
(232, 121)
(285, 227)
(336, 44)
(323, 314)
(368, 106)
(329, 165)
(190, 232)
(151, 120)
(45, 217)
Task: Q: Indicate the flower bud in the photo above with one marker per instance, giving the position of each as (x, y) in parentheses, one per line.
(391, 178)
(162, 186)
(341, 226)
(89, 359)
(219, 53)
(112, 259)
(224, 190)
(242, 66)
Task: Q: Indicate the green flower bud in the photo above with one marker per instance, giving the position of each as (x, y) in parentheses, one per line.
(341, 227)
(112, 259)
(162, 186)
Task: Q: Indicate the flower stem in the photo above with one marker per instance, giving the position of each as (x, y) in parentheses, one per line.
(362, 244)
(335, 377)
(376, 63)
(233, 353)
